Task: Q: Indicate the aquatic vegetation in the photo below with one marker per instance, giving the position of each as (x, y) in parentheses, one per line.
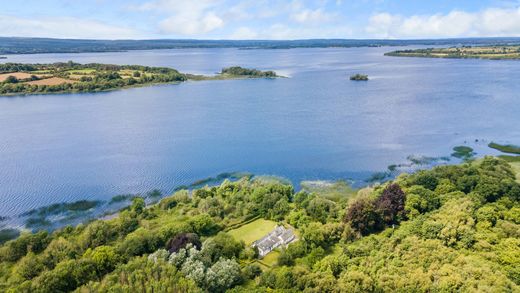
(425, 160)
(505, 148)
(359, 77)
(58, 208)
(271, 179)
(392, 167)
(463, 152)
(8, 234)
(121, 198)
(37, 223)
(217, 179)
(333, 190)
(379, 176)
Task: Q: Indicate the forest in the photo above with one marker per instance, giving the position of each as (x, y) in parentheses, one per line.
(454, 228)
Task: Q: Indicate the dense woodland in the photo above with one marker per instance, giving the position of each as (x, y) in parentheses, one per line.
(449, 229)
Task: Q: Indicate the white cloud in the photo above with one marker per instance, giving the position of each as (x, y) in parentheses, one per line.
(186, 17)
(244, 33)
(190, 25)
(62, 27)
(312, 16)
(492, 22)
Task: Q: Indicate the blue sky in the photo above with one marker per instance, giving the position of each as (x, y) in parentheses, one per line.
(259, 19)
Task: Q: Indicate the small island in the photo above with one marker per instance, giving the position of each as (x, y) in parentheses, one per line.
(359, 77)
(71, 77)
(483, 52)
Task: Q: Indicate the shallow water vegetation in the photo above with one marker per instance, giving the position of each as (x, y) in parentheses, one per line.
(450, 229)
(333, 190)
(463, 152)
(359, 77)
(505, 148)
(8, 234)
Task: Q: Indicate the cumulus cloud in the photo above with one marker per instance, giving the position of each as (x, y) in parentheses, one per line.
(186, 17)
(491, 22)
(62, 27)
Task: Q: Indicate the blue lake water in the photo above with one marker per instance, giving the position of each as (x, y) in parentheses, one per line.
(316, 124)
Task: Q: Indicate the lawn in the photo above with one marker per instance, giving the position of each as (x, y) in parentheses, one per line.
(253, 231)
(271, 258)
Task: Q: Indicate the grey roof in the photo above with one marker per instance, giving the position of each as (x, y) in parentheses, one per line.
(279, 236)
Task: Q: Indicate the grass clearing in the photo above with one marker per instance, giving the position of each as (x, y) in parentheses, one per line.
(271, 258)
(253, 231)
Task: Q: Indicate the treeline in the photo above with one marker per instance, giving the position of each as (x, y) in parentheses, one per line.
(449, 229)
(240, 71)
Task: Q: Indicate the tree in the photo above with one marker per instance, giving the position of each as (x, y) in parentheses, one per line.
(181, 240)
(105, 258)
(29, 266)
(224, 274)
(203, 224)
(363, 216)
(11, 79)
(138, 205)
(391, 204)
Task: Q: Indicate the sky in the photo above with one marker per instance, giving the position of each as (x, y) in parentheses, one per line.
(259, 19)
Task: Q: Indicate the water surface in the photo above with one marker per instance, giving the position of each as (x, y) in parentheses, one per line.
(314, 125)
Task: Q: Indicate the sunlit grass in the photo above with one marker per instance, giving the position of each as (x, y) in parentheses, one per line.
(253, 231)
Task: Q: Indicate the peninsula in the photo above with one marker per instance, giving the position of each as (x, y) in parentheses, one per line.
(483, 52)
(70, 77)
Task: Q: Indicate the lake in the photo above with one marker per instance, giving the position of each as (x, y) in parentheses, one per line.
(315, 124)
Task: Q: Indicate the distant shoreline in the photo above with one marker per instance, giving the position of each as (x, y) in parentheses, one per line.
(477, 52)
(17, 45)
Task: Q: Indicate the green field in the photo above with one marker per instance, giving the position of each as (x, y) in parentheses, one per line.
(253, 231)
(271, 258)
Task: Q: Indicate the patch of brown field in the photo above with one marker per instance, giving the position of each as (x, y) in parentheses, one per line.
(19, 75)
(51, 81)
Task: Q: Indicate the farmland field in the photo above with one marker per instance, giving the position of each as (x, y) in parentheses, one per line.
(51, 81)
